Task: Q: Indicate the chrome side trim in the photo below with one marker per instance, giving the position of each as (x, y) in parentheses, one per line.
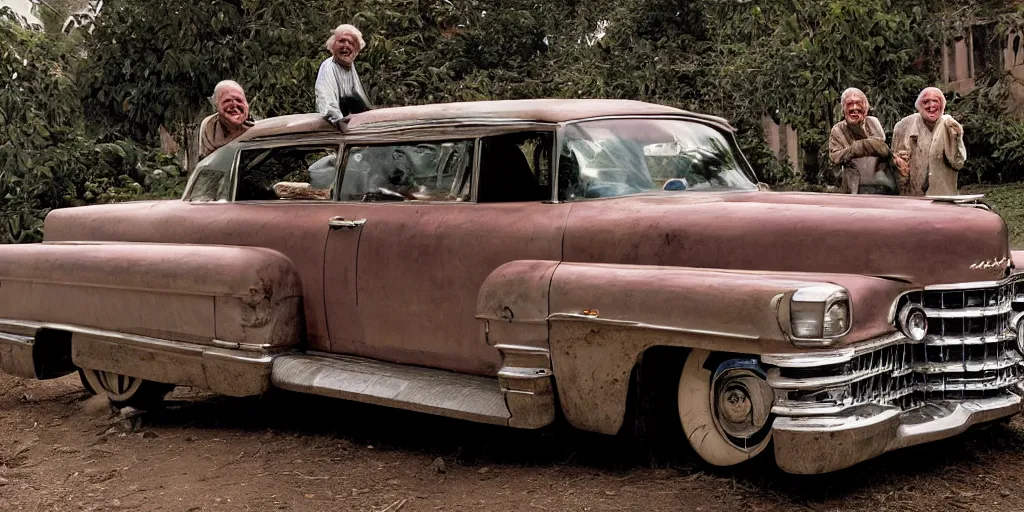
(992, 363)
(935, 341)
(778, 382)
(522, 349)
(975, 285)
(511, 372)
(811, 359)
(971, 312)
(575, 317)
(19, 327)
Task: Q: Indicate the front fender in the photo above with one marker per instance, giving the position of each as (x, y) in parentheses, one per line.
(603, 317)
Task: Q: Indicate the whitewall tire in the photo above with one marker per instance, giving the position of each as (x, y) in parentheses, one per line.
(727, 421)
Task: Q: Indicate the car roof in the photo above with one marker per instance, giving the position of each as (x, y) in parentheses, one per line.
(533, 110)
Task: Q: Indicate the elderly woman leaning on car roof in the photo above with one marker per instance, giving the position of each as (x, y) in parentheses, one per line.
(338, 89)
(857, 145)
(932, 142)
(231, 120)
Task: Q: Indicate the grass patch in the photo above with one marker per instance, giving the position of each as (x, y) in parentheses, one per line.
(1008, 201)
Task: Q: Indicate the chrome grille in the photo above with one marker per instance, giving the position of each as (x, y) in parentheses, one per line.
(970, 352)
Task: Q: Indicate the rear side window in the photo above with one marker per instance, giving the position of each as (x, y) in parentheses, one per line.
(287, 173)
(435, 171)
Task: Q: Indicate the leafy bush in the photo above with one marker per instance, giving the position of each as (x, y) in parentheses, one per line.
(46, 159)
(85, 106)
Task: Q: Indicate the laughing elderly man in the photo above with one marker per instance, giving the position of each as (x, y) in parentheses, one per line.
(857, 145)
(231, 120)
(932, 143)
(338, 89)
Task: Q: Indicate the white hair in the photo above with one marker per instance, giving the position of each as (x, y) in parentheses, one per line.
(852, 93)
(222, 86)
(926, 90)
(345, 29)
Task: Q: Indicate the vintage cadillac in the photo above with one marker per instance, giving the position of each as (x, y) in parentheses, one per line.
(611, 264)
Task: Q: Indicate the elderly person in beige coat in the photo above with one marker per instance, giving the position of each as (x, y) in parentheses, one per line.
(231, 120)
(857, 145)
(932, 144)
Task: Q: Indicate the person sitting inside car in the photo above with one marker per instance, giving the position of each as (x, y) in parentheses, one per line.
(857, 145)
(338, 89)
(231, 120)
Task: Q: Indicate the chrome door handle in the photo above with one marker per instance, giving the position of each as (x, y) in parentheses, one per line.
(341, 223)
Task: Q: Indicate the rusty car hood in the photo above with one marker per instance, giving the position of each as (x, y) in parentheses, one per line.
(916, 240)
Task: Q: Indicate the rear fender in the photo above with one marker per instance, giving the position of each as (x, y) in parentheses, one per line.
(205, 316)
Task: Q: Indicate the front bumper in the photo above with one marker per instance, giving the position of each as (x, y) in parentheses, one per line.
(811, 445)
(840, 406)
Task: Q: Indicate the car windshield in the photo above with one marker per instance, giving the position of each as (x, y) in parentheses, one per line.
(617, 157)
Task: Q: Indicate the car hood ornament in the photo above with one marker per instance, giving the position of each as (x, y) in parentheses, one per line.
(991, 264)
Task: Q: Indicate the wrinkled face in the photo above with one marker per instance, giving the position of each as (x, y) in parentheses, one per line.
(232, 107)
(931, 108)
(345, 49)
(855, 110)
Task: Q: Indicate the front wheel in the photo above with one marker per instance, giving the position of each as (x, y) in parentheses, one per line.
(725, 407)
(123, 390)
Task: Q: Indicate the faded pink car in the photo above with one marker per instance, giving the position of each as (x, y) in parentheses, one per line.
(611, 264)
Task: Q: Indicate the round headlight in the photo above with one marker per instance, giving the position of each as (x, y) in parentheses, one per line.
(913, 322)
(837, 318)
(1020, 336)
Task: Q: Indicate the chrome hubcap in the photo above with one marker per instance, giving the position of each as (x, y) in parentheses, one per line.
(115, 386)
(742, 403)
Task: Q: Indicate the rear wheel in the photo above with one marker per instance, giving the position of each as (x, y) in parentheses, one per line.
(123, 390)
(725, 407)
(85, 382)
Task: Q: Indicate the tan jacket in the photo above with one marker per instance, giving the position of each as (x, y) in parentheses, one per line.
(861, 154)
(935, 156)
(213, 135)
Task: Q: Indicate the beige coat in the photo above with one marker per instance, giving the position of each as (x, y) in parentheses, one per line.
(935, 156)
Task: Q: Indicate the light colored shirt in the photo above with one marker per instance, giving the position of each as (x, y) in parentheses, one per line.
(339, 91)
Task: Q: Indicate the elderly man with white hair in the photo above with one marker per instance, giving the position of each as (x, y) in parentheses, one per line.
(231, 120)
(857, 145)
(338, 89)
(932, 144)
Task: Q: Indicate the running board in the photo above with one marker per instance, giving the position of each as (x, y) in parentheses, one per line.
(468, 397)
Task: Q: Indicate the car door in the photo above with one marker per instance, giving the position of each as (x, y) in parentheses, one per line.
(423, 257)
(283, 201)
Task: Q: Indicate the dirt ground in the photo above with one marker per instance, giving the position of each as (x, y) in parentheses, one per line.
(61, 449)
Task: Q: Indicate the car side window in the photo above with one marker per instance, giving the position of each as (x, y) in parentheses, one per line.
(429, 171)
(287, 173)
(211, 180)
(515, 167)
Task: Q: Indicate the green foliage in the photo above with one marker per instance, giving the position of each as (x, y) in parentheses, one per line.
(994, 139)
(1008, 202)
(85, 106)
(46, 159)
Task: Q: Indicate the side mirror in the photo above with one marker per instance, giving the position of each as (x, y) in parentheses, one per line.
(763, 187)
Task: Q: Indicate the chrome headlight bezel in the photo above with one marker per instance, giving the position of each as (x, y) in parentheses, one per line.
(904, 322)
(809, 307)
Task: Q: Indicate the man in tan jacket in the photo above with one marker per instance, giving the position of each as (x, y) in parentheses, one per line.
(857, 145)
(231, 120)
(932, 145)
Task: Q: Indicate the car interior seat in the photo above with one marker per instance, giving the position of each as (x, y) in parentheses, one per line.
(505, 174)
